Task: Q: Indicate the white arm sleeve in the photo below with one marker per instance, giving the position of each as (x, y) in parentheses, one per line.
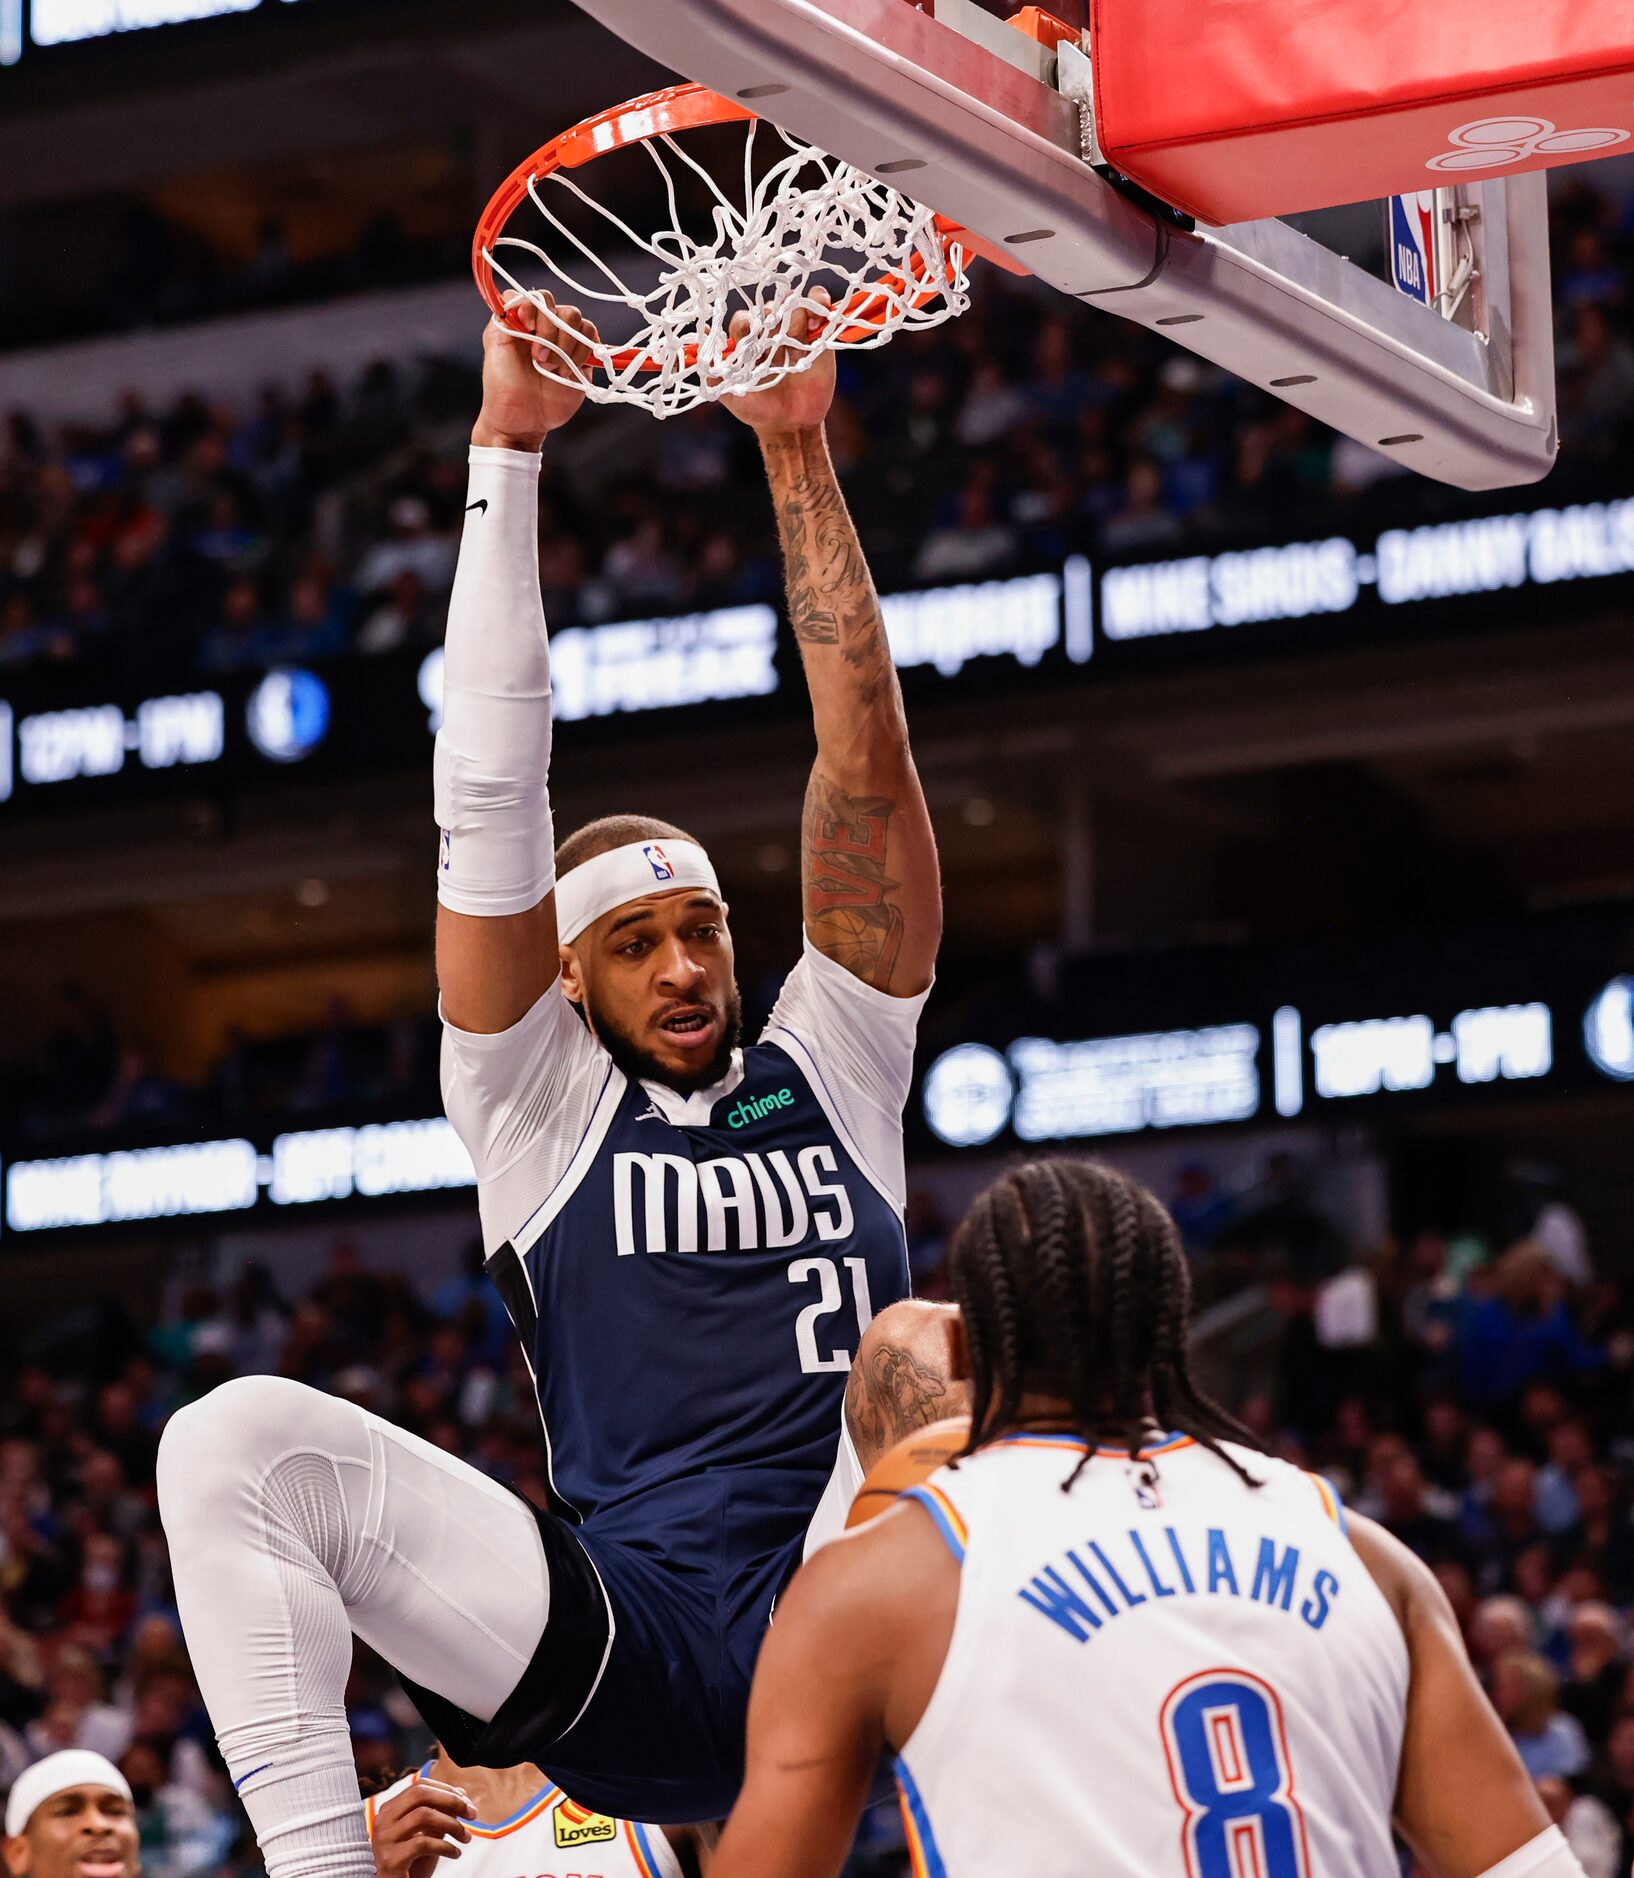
(521, 1100)
(497, 849)
(1546, 1856)
(856, 1046)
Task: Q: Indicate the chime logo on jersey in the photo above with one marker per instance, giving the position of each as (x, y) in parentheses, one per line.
(733, 1203)
(577, 1825)
(756, 1108)
(658, 861)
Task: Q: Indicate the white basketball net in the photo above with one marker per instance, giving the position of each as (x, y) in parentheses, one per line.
(810, 221)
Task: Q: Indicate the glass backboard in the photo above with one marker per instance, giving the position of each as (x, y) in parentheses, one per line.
(981, 123)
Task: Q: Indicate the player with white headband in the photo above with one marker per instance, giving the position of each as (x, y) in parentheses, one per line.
(71, 1816)
(700, 1242)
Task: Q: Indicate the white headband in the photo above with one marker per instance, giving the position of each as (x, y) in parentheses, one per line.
(624, 874)
(72, 1767)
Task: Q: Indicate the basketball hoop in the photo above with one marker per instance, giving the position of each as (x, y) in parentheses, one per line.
(807, 220)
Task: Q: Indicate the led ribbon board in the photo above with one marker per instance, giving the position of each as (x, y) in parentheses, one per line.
(52, 23)
(382, 710)
(1038, 1089)
(197, 1178)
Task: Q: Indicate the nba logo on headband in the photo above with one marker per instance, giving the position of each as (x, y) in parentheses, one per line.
(634, 871)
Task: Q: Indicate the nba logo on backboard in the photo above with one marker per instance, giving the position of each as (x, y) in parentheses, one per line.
(658, 861)
(1412, 246)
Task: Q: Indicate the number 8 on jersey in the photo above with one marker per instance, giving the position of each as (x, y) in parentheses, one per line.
(1228, 1762)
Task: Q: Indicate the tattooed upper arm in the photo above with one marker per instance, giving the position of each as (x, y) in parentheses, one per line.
(871, 883)
(894, 1390)
(850, 913)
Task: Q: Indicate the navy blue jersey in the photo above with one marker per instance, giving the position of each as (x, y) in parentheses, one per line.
(690, 1276)
(691, 1305)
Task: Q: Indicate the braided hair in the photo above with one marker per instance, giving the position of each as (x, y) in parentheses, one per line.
(1072, 1281)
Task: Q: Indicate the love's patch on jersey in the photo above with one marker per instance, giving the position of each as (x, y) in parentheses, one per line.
(577, 1825)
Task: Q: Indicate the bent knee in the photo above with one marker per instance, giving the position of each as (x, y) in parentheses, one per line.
(902, 1378)
(234, 1433)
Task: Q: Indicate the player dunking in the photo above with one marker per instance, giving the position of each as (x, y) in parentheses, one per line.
(1117, 1639)
(699, 1242)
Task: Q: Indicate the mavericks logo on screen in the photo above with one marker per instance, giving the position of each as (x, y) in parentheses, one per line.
(757, 1108)
(287, 714)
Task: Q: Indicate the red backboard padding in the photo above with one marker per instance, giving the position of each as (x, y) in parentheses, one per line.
(1238, 109)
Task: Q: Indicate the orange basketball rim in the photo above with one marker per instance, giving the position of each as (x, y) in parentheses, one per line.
(861, 317)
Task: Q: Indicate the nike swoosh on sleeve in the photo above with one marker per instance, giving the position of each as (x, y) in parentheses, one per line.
(480, 505)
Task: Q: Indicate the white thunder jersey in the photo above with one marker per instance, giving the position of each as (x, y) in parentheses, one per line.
(1165, 1673)
(551, 1837)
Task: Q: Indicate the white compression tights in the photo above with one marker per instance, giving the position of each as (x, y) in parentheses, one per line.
(296, 1519)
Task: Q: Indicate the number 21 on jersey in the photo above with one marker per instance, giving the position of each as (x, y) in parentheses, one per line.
(829, 1300)
(1228, 1763)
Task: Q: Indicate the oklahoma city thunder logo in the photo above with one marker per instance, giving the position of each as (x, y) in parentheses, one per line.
(658, 861)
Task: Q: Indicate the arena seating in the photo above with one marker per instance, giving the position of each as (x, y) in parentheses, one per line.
(306, 520)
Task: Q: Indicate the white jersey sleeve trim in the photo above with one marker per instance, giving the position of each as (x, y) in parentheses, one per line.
(894, 1193)
(857, 1045)
(529, 1232)
(583, 1159)
(556, 1493)
(374, 1802)
(947, 1706)
(1333, 1507)
(520, 1100)
(606, 1655)
(828, 1522)
(659, 1852)
(1547, 1856)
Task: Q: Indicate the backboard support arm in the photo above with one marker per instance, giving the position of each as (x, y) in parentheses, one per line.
(907, 98)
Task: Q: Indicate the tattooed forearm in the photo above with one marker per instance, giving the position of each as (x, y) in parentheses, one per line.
(814, 622)
(831, 594)
(849, 908)
(890, 1394)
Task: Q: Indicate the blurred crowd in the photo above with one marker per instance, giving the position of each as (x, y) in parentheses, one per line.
(323, 518)
(137, 267)
(86, 1078)
(1473, 1399)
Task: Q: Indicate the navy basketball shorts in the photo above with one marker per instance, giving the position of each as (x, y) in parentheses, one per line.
(635, 1699)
